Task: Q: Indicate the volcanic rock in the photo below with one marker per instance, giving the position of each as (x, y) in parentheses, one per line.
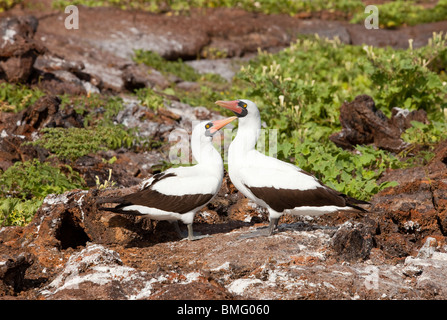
(354, 242)
(18, 49)
(44, 113)
(363, 124)
(17, 128)
(12, 271)
(415, 209)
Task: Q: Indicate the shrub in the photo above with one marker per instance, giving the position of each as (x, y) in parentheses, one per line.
(23, 187)
(73, 143)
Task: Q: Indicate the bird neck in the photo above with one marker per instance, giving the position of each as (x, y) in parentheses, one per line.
(247, 135)
(205, 154)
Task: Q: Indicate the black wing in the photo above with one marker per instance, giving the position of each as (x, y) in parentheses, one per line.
(148, 197)
(283, 199)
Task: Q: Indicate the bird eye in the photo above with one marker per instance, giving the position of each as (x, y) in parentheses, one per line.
(242, 104)
(207, 126)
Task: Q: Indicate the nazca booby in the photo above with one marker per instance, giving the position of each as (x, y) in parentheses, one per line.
(278, 186)
(178, 193)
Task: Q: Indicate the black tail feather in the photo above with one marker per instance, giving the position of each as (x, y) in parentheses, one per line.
(357, 207)
(110, 200)
(353, 203)
(117, 209)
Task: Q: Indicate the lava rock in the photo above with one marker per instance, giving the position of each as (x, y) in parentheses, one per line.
(45, 113)
(363, 124)
(12, 272)
(18, 49)
(353, 242)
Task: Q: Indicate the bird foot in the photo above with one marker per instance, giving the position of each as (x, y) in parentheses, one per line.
(262, 231)
(193, 237)
(197, 236)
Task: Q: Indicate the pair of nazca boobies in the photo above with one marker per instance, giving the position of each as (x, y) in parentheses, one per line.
(282, 188)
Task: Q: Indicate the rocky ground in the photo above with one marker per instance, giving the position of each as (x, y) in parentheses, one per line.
(70, 250)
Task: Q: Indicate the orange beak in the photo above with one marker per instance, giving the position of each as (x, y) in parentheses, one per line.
(219, 124)
(230, 105)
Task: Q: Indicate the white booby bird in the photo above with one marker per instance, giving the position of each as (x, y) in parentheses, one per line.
(271, 183)
(178, 193)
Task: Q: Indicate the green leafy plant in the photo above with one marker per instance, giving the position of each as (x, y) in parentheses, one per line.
(23, 187)
(405, 12)
(177, 68)
(426, 134)
(352, 173)
(210, 86)
(149, 98)
(403, 79)
(15, 98)
(33, 179)
(97, 110)
(18, 212)
(73, 143)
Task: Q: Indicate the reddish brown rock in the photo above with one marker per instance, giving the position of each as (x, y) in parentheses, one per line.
(12, 272)
(363, 124)
(18, 49)
(354, 242)
(415, 209)
(44, 113)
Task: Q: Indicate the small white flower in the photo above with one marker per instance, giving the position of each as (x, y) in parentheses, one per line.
(281, 100)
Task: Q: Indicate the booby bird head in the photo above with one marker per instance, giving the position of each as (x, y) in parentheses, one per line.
(205, 130)
(242, 108)
(211, 127)
(202, 136)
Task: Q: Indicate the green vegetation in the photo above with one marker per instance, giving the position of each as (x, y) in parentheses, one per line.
(299, 92)
(8, 4)
(73, 143)
(207, 83)
(176, 68)
(24, 186)
(15, 98)
(354, 174)
(97, 110)
(405, 78)
(426, 134)
(405, 12)
(391, 14)
(264, 6)
(210, 85)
